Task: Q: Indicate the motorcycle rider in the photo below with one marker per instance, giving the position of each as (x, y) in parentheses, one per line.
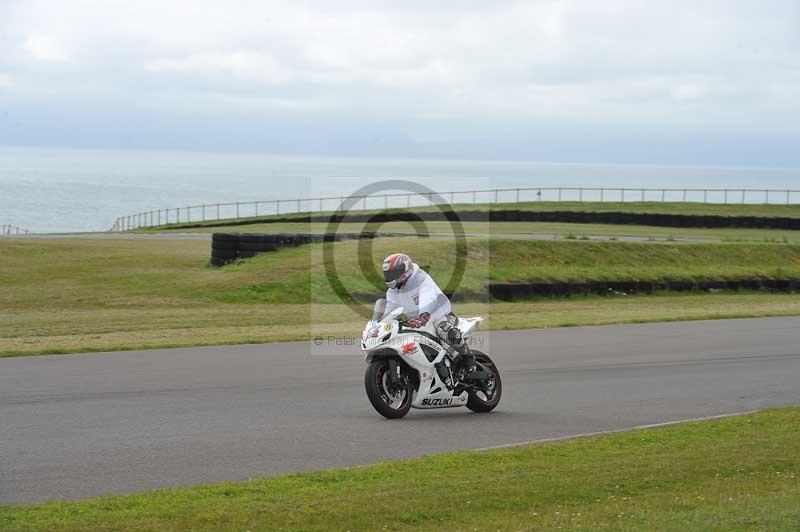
(410, 287)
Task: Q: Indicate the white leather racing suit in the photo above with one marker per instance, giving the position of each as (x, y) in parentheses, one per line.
(420, 295)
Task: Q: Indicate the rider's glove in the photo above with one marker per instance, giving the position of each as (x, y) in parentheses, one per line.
(419, 321)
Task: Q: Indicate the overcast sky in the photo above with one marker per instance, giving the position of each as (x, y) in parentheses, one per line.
(683, 82)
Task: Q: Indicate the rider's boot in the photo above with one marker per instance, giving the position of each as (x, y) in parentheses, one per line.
(465, 361)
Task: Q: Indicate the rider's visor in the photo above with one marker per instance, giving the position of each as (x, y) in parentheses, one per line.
(393, 275)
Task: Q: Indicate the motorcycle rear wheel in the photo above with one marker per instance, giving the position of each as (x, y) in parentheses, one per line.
(479, 400)
(390, 403)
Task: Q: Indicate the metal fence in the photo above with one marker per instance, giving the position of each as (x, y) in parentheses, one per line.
(6, 230)
(253, 209)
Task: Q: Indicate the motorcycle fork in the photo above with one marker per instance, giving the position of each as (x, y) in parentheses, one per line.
(394, 372)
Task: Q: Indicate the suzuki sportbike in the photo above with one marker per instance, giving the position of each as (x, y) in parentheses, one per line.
(409, 367)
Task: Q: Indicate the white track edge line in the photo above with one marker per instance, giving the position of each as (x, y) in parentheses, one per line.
(613, 431)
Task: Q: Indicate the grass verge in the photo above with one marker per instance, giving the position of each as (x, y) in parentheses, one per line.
(62, 296)
(738, 473)
(36, 332)
(512, 229)
(639, 207)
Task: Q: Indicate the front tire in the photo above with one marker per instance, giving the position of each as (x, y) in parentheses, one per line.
(391, 401)
(486, 395)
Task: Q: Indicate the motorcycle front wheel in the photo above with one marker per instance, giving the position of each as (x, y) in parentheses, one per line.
(485, 396)
(389, 399)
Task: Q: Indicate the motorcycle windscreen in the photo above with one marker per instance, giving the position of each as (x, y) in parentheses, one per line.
(380, 310)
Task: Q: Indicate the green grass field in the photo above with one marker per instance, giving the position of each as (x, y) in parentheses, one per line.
(685, 208)
(74, 295)
(511, 229)
(733, 474)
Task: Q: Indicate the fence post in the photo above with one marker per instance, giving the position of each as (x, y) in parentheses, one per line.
(725, 195)
(278, 206)
(602, 190)
(237, 210)
(705, 196)
(298, 205)
(766, 196)
(622, 195)
(642, 194)
(559, 194)
(580, 194)
(204, 212)
(684, 195)
(743, 195)
(663, 195)
(517, 195)
(787, 197)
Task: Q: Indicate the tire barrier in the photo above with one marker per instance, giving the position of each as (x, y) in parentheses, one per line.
(229, 247)
(521, 291)
(578, 217)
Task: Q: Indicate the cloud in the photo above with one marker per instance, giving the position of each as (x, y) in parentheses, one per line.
(248, 66)
(415, 65)
(45, 48)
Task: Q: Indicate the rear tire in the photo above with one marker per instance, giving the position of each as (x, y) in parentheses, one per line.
(375, 382)
(480, 401)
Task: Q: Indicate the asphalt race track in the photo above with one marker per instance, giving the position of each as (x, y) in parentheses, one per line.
(84, 425)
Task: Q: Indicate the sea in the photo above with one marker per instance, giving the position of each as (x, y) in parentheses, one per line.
(65, 190)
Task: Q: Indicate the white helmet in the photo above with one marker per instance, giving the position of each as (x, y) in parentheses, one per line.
(397, 268)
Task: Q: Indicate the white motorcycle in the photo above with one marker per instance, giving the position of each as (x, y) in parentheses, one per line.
(412, 368)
